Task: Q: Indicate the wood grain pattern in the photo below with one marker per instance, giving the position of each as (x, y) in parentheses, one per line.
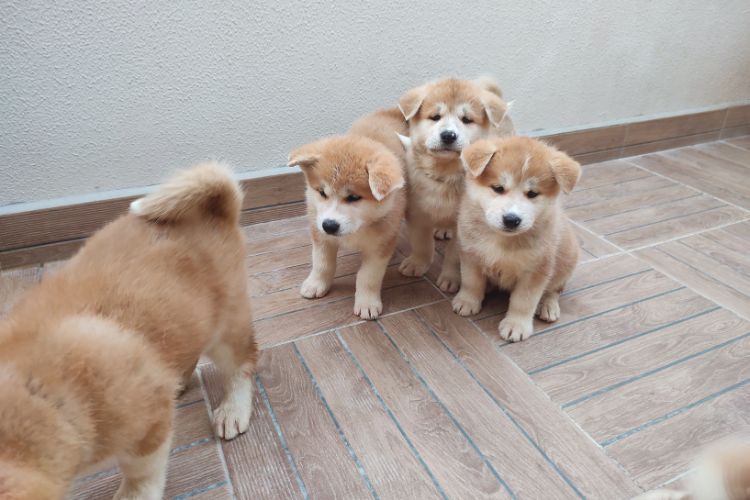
(603, 270)
(41, 253)
(728, 133)
(392, 467)
(602, 193)
(630, 203)
(593, 473)
(737, 116)
(675, 126)
(588, 141)
(608, 173)
(506, 449)
(592, 246)
(584, 377)
(456, 466)
(726, 152)
(675, 142)
(740, 142)
(325, 465)
(14, 283)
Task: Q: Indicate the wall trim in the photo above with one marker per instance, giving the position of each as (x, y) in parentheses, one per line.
(36, 232)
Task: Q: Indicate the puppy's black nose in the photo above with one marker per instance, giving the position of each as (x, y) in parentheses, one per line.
(511, 221)
(448, 136)
(330, 226)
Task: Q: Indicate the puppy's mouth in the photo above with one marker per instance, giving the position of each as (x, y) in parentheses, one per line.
(445, 152)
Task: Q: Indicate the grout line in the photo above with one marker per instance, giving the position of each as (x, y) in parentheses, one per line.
(620, 341)
(282, 439)
(502, 407)
(653, 371)
(724, 121)
(189, 403)
(391, 415)
(734, 145)
(683, 215)
(717, 262)
(675, 413)
(687, 235)
(219, 447)
(339, 430)
(584, 228)
(695, 193)
(711, 278)
(447, 412)
(573, 291)
(202, 489)
(621, 185)
(583, 190)
(187, 446)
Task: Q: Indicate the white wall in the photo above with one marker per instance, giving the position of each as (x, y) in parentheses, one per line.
(110, 95)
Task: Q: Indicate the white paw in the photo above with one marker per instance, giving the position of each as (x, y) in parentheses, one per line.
(515, 329)
(443, 234)
(410, 267)
(464, 305)
(448, 283)
(313, 288)
(368, 307)
(549, 309)
(232, 418)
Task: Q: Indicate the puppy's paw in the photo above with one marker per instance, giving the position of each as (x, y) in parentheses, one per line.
(463, 305)
(314, 287)
(515, 329)
(232, 418)
(448, 283)
(411, 267)
(368, 307)
(549, 309)
(443, 234)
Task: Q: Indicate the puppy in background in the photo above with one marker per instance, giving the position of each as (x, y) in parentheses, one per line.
(444, 117)
(355, 199)
(512, 230)
(92, 358)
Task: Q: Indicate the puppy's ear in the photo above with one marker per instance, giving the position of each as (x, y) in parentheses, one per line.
(489, 84)
(566, 170)
(304, 157)
(410, 102)
(384, 176)
(494, 106)
(477, 156)
(405, 141)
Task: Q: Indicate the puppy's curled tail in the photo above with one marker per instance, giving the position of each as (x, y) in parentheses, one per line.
(207, 190)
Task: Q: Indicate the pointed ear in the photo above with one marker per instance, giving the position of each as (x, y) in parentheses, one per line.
(384, 176)
(489, 84)
(477, 156)
(494, 106)
(566, 170)
(405, 141)
(410, 102)
(303, 157)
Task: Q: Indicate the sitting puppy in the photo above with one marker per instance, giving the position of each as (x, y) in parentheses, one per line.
(512, 229)
(92, 358)
(354, 199)
(444, 117)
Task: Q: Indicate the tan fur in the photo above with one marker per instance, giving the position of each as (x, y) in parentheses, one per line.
(435, 177)
(91, 359)
(367, 163)
(533, 263)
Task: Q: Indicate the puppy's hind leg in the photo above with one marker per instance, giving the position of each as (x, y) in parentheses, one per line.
(235, 355)
(144, 476)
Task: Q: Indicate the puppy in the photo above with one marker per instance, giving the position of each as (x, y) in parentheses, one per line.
(91, 359)
(513, 231)
(444, 117)
(354, 199)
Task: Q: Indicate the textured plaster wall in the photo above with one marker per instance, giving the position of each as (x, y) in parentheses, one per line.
(107, 95)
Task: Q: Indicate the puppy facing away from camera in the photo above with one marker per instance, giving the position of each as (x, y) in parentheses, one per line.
(355, 199)
(444, 117)
(92, 358)
(513, 231)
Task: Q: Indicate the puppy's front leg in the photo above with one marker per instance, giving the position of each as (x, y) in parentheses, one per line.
(518, 323)
(323, 270)
(468, 301)
(450, 273)
(367, 303)
(422, 245)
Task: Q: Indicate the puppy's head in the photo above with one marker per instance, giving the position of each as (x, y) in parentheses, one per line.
(517, 180)
(350, 180)
(445, 116)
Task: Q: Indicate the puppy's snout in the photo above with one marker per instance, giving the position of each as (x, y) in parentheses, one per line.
(511, 221)
(330, 226)
(448, 136)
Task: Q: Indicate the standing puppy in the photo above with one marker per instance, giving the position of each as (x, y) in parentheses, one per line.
(512, 230)
(91, 359)
(354, 199)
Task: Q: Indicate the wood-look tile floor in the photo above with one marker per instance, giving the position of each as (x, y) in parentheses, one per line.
(648, 363)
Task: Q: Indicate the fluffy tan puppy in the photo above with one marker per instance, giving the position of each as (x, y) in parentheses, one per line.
(91, 359)
(355, 199)
(512, 230)
(444, 117)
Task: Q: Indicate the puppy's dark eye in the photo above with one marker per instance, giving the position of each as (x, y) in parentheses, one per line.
(352, 198)
(498, 189)
(322, 193)
(435, 118)
(467, 120)
(532, 194)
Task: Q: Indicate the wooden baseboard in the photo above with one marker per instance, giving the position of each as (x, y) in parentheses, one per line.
(56, 233)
